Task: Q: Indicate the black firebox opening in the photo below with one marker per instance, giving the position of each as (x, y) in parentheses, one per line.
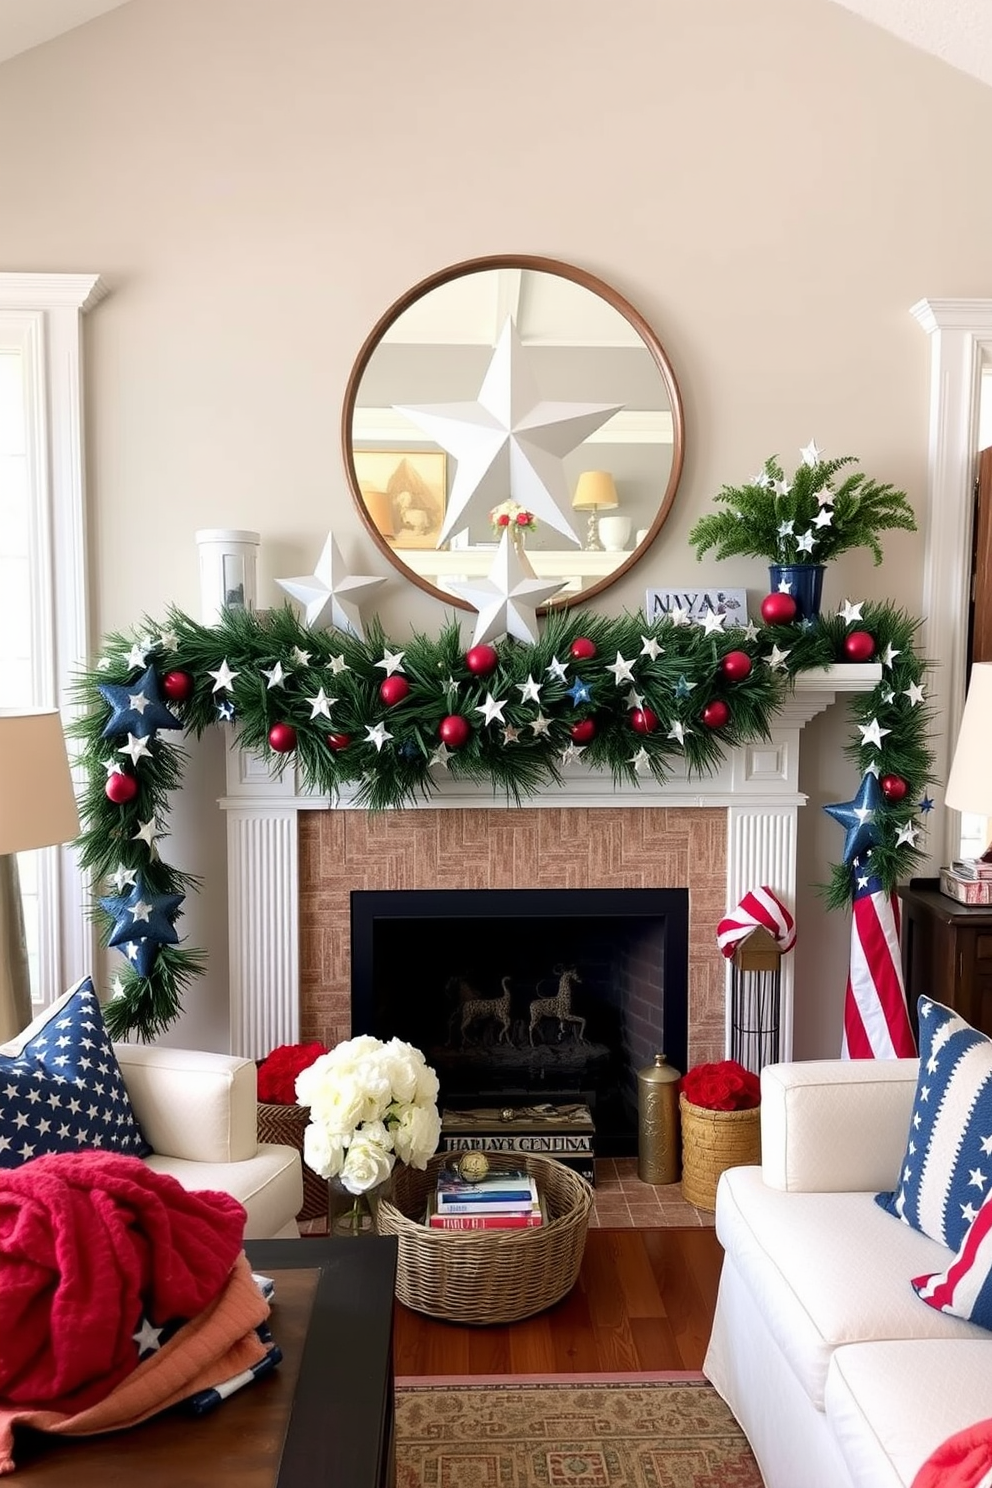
(519, 996)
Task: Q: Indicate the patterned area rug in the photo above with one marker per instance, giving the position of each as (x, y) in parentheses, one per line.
(610, 1432)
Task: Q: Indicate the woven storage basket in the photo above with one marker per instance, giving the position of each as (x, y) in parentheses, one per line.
(487, 1276)
(287, 1124)
(711, 1142)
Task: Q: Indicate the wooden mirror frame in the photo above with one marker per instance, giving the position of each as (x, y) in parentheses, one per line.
(547, 266)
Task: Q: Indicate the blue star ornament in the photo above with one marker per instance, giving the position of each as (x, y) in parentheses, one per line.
(140, 915)
(137, 708)
(859, 818)
(578, 692)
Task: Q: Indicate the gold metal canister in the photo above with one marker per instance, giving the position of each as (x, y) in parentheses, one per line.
(658, 1122)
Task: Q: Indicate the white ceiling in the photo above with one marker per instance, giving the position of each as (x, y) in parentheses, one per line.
(957, 31)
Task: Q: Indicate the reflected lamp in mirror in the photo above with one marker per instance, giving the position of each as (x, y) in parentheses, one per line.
(379, 506)
(37, 809)
(595, 491)
(969, 785)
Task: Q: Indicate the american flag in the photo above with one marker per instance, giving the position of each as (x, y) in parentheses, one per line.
(876, 1019)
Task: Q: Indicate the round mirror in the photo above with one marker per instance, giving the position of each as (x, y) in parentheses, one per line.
(521, 383)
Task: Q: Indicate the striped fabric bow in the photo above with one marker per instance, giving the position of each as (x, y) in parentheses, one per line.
(758, 907)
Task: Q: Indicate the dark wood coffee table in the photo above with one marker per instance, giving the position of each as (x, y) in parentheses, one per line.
(324, 1416)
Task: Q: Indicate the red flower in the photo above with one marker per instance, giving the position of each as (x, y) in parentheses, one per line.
(726, 1086)
(278, 1071)
(502, 520)
(524, 519)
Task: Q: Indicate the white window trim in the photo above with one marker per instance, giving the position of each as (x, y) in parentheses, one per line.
(52, 307)
(960, 339)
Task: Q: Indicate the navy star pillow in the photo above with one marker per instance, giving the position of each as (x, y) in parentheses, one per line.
(61, 1089)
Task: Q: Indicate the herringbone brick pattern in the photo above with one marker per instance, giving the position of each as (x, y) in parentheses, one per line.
(515, 848)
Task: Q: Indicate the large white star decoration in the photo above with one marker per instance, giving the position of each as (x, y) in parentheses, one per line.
(492, 708)
(622, 670)
(872, 733)
(377, 736)
(392, 661)
(510, 442)
(321, 704)
(810, 455)
(650, 647)
(136, 748)
(507, 599)
(274, 676)
(711, 622)
(223, 677)
(850, 612)
(530, 691)
(915, 694)
(908, 832)
(331, 594)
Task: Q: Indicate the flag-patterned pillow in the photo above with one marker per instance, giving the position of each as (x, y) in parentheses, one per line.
(947, 1166)
(964, 1289)
(61, 1089)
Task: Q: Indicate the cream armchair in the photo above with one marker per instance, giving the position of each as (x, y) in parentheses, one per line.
(198, 1113)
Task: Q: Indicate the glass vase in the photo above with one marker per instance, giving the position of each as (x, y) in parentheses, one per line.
(350, 1216)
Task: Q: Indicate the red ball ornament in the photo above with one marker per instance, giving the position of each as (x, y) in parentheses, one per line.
(643, 721)
(178, 686)
(121, 788)
(582, 649)
(481, 660)
(778, 609)
(393, 689)
(454, 730)
(583, 731)
(337, 742)
(859, 645)
(716, 714)
(736, 665)
(894, 787)
(282, 737)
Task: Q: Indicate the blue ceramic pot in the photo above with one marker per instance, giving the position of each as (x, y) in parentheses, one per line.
(805, 582)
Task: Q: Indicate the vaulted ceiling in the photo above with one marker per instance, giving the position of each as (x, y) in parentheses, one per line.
(957, 31)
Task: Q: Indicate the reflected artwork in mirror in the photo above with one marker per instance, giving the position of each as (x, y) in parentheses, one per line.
(522, 383)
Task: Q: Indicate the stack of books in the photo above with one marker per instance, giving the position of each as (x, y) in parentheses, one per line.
(562, 1132)
(506, 1200)
(969, 880)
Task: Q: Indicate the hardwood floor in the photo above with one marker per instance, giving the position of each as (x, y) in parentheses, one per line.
(644, 1300)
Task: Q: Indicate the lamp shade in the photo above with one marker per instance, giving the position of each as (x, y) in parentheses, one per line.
(969, 785)
(37, 805)
(595, 488)
(380, 508)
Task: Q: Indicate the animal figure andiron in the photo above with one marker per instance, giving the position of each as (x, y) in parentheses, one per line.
(476, 1008)
(559, 1006)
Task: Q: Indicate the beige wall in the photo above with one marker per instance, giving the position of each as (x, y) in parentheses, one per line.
(771, 184)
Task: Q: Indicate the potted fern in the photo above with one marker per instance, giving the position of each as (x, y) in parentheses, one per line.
(798, 525)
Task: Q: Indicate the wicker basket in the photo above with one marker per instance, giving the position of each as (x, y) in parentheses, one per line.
(487, 1276)
(711, 1142)
(286, 1124)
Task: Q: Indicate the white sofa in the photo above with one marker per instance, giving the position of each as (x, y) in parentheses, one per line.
(198, 1113)
(839, 1374)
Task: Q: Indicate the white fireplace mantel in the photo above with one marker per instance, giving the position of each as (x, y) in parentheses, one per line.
(757, 784)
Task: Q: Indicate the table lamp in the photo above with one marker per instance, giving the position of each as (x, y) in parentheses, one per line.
(37, 809)
(969, 785)
(595, 491)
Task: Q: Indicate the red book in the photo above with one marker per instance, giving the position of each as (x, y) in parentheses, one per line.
(486, 1221)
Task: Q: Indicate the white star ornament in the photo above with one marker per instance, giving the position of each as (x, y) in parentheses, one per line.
(507, 600)
(331, 594)
(510, 442)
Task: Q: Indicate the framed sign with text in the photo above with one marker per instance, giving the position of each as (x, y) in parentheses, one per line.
(697, 603)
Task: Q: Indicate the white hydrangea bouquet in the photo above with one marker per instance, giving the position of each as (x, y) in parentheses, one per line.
(371, 1104)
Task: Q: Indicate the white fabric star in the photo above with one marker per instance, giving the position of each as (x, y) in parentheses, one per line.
(123, 878)
(299, 658)
(440, 756)
(889, 655)
(677, 732)
(572, 753)
(167, 640)
(223, 677)
(678, 616)
(507, 599)
(824, 516)
(650, 647)
(540, 724)
(392, 661)
(492, 708)
(338, 664)
(915, 693)
(750, 631)
(825, 497)
(785, 586)
(908, 832)
(138, 701)
(786, 529)
(711, 622)
(331, 594)
(777, 659)
(510, 734)
(113, 767)
(274, 676)
(634, 699)
(530, 691)
(641, 761)
(781, 487)
(850, 612)
(147, 1338)
(377, 736)
(622, 670)
(136, 748)
(872, 733)
(509, 442)
(138, 652)
(805, 541)
(321, 704)
(557, 669)
(146, 833)
(810, 455)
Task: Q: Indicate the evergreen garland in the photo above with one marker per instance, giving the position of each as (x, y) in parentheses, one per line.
(304, 666)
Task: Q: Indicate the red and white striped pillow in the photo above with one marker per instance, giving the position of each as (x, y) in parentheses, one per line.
(964, 1289)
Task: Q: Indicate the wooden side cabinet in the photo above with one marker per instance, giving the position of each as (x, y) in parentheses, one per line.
(947, 952)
